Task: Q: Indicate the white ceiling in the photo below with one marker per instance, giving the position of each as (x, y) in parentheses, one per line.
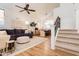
(42, 9)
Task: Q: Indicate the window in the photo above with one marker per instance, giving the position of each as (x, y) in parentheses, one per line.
(1, 18)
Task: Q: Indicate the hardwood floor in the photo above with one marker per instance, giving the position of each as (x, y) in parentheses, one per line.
(43, 49)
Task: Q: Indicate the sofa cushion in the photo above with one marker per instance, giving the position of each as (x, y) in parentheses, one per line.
(10, 32)
(19, 31)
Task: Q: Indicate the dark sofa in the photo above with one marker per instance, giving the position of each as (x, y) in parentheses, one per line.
(18, 33)
(14, 33)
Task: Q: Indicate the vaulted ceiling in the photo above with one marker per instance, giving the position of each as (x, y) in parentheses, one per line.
(42, 9)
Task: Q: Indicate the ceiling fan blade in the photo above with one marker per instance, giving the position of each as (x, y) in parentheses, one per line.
(31, 10)
(22, 10)
(19, 7)
(27, 6)
(28, 12)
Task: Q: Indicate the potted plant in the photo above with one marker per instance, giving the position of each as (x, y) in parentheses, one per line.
(33, 24)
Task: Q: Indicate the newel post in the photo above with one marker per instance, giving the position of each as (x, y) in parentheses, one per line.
(53, 37)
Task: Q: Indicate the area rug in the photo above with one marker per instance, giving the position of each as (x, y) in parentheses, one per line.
(23, 47)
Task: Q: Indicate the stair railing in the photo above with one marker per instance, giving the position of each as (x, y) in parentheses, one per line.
(57, 24)
(54, 32)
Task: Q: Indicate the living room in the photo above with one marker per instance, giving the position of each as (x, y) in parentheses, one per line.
(17, 24)
(39, 29)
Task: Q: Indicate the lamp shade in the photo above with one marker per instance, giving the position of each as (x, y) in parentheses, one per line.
(26, 22)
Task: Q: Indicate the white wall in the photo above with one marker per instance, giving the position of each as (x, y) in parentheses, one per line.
(77, 15)
(77, 19)
(12, 13)
(8, 14)
(67, 15)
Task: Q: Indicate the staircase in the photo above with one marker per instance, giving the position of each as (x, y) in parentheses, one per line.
(68, 41)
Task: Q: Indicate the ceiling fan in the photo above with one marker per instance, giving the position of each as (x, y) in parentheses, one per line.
(26, 8)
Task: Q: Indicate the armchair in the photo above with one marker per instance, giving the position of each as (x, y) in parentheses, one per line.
(4, 39)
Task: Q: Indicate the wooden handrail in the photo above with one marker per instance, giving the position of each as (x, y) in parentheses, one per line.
(57, 24)
(54, 31)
